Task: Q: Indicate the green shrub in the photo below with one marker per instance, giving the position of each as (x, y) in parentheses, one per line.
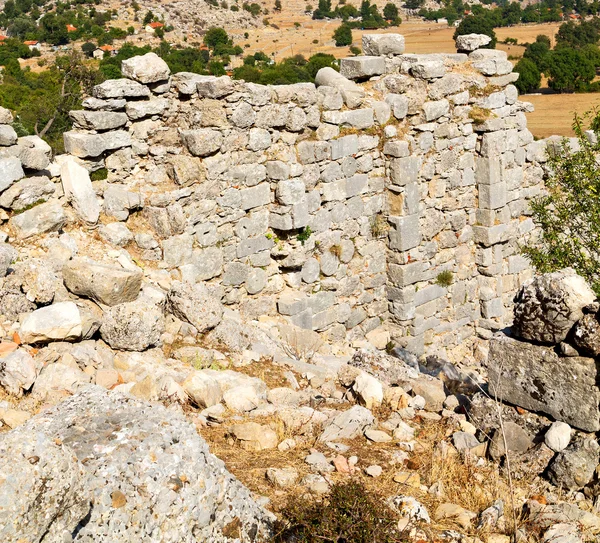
(349, 514)
(445, 278)
(99, 175)
(304, 234)
(567, 216)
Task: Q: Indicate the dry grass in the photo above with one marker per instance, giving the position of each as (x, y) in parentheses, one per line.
(473, 488)
(553, 113)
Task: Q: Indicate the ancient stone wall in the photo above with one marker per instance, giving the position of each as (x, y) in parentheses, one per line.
(398, 200)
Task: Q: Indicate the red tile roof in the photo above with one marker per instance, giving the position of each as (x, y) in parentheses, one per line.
(156, 25)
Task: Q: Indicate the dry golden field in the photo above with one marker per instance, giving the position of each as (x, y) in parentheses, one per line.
(553, 113)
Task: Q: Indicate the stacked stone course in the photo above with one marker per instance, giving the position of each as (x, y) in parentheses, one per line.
(337, 206)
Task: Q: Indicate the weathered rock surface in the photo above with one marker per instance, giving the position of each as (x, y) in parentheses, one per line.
(109, 285)
(133, 326)
(196, 305)
(43, 218)
(536, 378)
(548, 306)
(125, 470)
(57, 322)
(148, 68)
(471, 42)
(574, 467)
(17, 372)
(348, 425)
(43, 487)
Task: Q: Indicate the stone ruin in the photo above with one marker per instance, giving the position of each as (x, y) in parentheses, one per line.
(384, 204)
(413, 185)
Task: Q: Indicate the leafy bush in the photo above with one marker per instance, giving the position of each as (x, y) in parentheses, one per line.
(342, 35)
(568, 214)
(349, 514)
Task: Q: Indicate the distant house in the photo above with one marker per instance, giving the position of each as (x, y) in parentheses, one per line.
(33, 44)
(152, 27)
(71, 28)
(99, 51)
(442, 21)
(2, 38)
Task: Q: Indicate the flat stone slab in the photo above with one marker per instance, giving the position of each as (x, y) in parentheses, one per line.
(536, 378)
(362, 67)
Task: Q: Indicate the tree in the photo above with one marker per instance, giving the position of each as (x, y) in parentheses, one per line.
(414, 4)
(569, 70)
(342, 35)
(88, 48)
(529, 76)
(390, 12)
(148, 18)
(539, 52)
(277, 5)
(216, 36)
(472, 24)
(568, 214)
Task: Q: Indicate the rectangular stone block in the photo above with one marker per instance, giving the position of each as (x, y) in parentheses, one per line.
(491, 235)
(344, 146)
(292, 304)
(492, 196)
(403, 275)
(357, 184)
(361, 67)
(406, 233)
(405, 170)
(334, 191)
(253, 245)
(257, 196)
(537, 379)
(492, 309)
(427, 294)
(488, 170)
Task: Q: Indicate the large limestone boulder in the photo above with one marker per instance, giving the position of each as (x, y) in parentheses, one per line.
(18, 371)
(148, 68)
(383, 44)
(42, 488)
(79, 191)
(133, 326)
(56, 322)
(104, 467)
(536, 378)
(471, 42)
(109, 285)
(47, 217)
(196, 305)
(547, 307)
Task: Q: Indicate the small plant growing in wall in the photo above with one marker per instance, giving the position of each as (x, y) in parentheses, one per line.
(336, 250)
(379, 226)
(304, 234)
(479, 115)
(445, 278)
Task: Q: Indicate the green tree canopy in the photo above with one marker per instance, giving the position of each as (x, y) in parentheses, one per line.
(342, 35)
(568, 214)
(569, 70)
(529, 76)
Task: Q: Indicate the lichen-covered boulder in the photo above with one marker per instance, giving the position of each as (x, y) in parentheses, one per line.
(104, 467)
(547, 307)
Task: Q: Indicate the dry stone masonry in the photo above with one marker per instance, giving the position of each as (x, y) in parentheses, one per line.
(393, 191)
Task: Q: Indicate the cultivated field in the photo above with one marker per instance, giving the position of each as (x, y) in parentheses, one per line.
(553, 113)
